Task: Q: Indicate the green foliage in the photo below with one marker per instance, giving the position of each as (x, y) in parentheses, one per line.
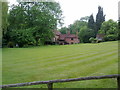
(40, 18)
(76, 26)
(101, 32)
(22, 37)
(63, 30)
(100, 18)
(92, 40)
(85, 19)
(86, 33)
(10, 44)
(111, 37)
(110, 29)
(91, 23)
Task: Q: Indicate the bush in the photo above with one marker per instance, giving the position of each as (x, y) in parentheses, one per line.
(110, 37)
(92, 40)
(10, 44)
(22, 37)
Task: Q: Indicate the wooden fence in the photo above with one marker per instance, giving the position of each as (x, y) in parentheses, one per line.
(50, 83)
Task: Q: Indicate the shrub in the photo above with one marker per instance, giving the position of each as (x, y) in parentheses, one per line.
(92, 40)
(110, 37)
(10, 44)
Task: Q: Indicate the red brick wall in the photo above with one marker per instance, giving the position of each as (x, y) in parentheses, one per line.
(75, 40)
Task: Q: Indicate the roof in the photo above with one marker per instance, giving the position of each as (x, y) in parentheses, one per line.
(63, 36)
(56, 32)
(100, 35)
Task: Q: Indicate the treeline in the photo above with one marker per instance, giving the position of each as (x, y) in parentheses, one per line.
(88, 28)
(30, 23)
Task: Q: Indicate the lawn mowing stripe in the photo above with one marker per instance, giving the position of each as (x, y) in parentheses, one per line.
(90, 69)
(61, 60)
(62, 65)
(59, 65)
(74, 60)
(76, 63)
(59, 76)
(113, 67)
(38, 56)
(36, 74)
(44, 58)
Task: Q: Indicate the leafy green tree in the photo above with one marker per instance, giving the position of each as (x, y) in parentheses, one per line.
(111, 37)
(85, 19)
(63, 30)
(23, 37)
(85, 34)
(110, 29)
(42, 16)
(76, 26)
(109, 26)
(91, 23)
(100, 18)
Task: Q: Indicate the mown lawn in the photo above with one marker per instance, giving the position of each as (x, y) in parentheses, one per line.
(62, 62)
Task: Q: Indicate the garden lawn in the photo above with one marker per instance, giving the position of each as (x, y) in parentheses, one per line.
(22, 65)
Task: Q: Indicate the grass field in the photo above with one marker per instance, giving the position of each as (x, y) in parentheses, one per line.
(62, 62)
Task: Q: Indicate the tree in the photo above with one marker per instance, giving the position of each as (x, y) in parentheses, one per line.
(42, 17)
(110, 29)
(85, 19)
(76, 26)
(92, 40)
(63, 30)
(100, 18)
(109, 26)
(85, 34)
(91, 23)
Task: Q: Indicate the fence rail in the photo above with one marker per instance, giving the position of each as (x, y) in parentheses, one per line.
(50, 83)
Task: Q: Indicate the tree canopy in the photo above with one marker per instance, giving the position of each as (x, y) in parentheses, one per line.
(100, 18)
(110, 30)
(33, 19)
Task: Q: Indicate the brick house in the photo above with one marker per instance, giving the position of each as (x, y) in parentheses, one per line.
(63, 39)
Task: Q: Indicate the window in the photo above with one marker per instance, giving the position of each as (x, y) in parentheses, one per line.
(71, 38)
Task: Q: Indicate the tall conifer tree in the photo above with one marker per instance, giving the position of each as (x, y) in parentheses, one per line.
(100, 18)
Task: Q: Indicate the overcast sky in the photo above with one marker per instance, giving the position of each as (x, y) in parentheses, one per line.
(75, 9)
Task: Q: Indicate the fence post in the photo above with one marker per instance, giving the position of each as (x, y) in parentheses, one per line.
(118, 82)
(50, 86)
